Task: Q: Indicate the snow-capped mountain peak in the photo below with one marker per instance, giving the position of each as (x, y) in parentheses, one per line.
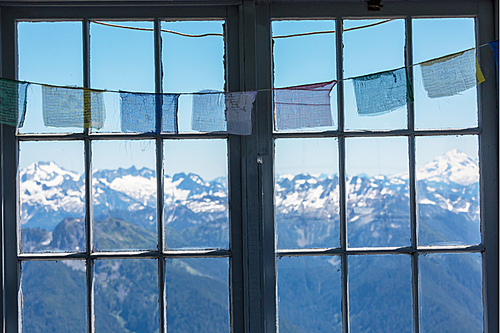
(46, 171)
(453, 166)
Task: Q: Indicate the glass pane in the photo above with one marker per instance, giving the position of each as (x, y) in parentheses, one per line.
(370, 50)
(306, 59)
(380, 298)
(309, 294)
(126, 295)
(307, 193)
(455, 35)
(448, 204)
(52, 196)
(51, 53)
(197, 295)
(113, 116)
(378, 204)
(195, 194)
(54, 296)
(124, 194)
(120, 58)
(192, 64)
(451, 293)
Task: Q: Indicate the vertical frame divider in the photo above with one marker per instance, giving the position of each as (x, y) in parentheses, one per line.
(342, 180)
(159, 183)
(488, 138)
(11, 281)
(412, 178)
(88, 185)
(236, 265)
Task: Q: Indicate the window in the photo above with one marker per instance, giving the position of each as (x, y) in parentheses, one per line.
(342, 226)
(373, 211)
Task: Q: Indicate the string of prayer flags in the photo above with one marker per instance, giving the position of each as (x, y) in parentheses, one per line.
(383, 92)
(303, 106)
(13, 102)
(208, 112)
(494, 47)
(139, 112)
(239, 107)
(72, 107)
(452, 74)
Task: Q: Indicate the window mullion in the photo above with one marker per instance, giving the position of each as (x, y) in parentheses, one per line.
(236, 264)
(159, 180)
(412, 178)
(88, 186)
(11, 266)
(487, 99)
(342, 181)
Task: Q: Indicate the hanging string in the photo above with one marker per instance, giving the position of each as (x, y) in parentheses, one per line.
(332, 31)
(205, 92)
(162, 30)
(211, 34)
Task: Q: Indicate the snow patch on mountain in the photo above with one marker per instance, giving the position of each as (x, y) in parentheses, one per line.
(137, 187)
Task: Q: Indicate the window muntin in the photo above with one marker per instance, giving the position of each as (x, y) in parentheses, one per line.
(362, 153)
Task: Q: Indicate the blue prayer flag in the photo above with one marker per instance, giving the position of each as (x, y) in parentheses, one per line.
(145, 113)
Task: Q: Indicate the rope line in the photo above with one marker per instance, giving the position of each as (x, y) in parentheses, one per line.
(212, 34)
(222, 92)
(332, 31)
(162, 30)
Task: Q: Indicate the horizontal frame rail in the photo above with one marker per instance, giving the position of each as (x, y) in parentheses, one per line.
(126, 255)
(180, 136)
(118, 136)
(381, 250)
(403, 132)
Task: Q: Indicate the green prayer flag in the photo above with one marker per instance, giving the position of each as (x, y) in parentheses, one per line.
(13, 102)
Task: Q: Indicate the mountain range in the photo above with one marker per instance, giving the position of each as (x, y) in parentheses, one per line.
(307, 216)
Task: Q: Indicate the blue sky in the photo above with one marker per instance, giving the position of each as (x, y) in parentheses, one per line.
(123, 59)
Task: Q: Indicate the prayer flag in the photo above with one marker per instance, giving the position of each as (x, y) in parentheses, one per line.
(208, 112)
(139, 112)
(303, 106)
(452, 74)
(13, 102)
(494, 47)
(383, 92)
(239, 107)
(72, 107)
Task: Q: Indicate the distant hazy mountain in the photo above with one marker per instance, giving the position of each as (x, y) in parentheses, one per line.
(307, 216)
